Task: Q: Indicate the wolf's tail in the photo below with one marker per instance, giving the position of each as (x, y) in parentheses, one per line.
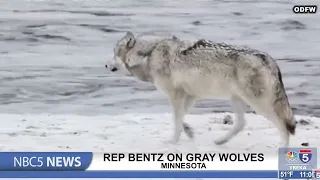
(282, 107)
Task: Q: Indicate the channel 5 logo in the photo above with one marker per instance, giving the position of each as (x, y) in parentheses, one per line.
(305, 155)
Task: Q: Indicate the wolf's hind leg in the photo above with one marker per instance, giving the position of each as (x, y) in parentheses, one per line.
(265, 108)
(177, 100)
(284, 133)
(267, 112)
(187, 104)
(238, 107)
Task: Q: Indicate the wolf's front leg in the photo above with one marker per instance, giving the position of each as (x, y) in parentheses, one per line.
(238, 107)
(177, 100)
(189, 101)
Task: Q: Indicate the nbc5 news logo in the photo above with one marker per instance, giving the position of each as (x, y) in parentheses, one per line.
(305, 9)
(303, 155)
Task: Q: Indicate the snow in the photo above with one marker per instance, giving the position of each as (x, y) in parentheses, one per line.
(144, 133)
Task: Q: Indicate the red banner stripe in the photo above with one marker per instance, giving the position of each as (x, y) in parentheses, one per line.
(305, 151)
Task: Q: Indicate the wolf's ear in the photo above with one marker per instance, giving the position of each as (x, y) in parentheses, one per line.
(131, 39)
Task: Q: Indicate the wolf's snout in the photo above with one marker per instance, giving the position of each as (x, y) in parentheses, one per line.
(111, 67)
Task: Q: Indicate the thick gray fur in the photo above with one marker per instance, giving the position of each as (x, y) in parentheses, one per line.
(186, 71)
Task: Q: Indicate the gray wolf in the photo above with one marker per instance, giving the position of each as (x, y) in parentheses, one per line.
(189, 70)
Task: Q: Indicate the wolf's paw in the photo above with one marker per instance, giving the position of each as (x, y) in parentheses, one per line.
(188, 130)
(220, 141)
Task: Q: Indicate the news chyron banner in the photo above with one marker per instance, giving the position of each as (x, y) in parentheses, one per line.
(298, 163)
(159, 165)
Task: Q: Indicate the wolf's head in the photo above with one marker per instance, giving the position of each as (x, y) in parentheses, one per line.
(120, 51)
(131, 56)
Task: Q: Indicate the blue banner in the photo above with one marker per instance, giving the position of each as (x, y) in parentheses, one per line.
(296, 174)
(141, 174)
(44, 161)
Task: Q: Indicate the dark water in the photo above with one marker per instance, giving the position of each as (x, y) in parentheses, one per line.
(52, 53)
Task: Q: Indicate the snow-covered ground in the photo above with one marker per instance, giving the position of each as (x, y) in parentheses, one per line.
(143, 133)
(56, 95)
